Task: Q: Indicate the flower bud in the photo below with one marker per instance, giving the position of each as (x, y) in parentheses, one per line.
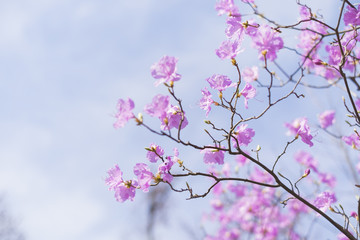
(307, 172)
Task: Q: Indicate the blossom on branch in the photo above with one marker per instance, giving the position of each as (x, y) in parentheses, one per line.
(324, 200)
(165, 70)
(299, 127)
(124, 112)
(154, 153)
(212, 156)
(169, 115)
(266, 40)
(243, 135)
(234, 28)
(352, 16)
(248, 92)
(145, 176)
(124, 190)
(158, 106)
(165, 167)
(229, 49)
(220, 82)
(206, 101)
(226, 7)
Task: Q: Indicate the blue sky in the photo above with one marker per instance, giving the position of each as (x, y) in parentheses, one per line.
(63, 66)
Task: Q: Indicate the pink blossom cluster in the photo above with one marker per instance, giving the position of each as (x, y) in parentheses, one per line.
(125, 190)
(169, 115)
(310, 42)
(251, 209)
(265, 39)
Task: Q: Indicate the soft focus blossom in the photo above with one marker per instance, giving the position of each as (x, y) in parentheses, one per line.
(309, 41)
(244, 135)
(251, 27)
(241, 160)
(212, 156)
(357, 104)
(250, 74)
(229, 49)
(124, 112)
(306, 159)
(352, 16)
(353, 140)
(165, 70)
(234, 28)
(327, 118)
(299, 127)
(266, 39)
(154, 154)
(145, 176)
(324, 200)
(328, 179)
(226, 7)
(158, 106)
(304, 13)
(220, 82)
(248, 92)
(206, 101)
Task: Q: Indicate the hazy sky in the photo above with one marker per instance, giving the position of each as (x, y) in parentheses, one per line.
(63, 66)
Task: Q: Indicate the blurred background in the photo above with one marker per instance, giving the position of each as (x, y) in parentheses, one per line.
(63, 66)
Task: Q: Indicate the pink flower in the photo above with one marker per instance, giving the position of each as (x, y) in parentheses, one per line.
(154, 153)
(342, 236)
(328, 179)
(306, 159)
(357, 103)
(324, 200)
(165, 70)
(220, 82)
(250, 74)
(158, 107)
(212, 156)
(304, 13)
(173, 119)
(145, 176)
(229, 49)
(266, 39)
(248, 92)
(226, 7)
(169, 115)
(241, 160)
(353, 140)
(165, 167)
(327, 118)
(124, 112)
(243, 135)
(234, 28)
(123, 190)
(206, 101)
(352, 16)
(299, 127)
